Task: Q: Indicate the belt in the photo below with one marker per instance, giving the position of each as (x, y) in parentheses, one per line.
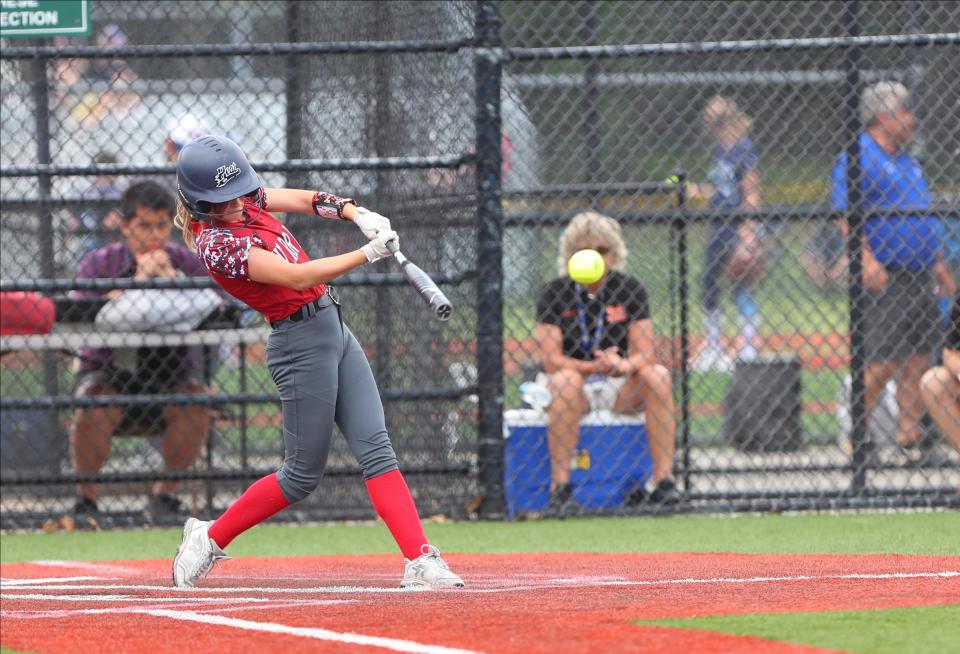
(308, 310)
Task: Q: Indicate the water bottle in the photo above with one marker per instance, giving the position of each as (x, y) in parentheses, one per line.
(535, 395)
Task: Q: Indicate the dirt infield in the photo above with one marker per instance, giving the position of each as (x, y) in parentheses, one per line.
(513, 603)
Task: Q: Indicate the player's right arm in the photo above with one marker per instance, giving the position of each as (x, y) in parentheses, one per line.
(268, 268)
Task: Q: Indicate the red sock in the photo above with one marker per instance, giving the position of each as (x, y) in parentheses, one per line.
(259, 502)
(392, 500)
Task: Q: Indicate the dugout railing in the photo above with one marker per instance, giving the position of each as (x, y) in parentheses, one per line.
(471, 479)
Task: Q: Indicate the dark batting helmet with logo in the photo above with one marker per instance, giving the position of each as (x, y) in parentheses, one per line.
(212, 170)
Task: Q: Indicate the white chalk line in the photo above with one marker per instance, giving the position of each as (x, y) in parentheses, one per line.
(128, 598)
(394, 644)
(227, 607)
(90, 566)
(48, 580)
(279, 605)
(558, 582)
(208, 617)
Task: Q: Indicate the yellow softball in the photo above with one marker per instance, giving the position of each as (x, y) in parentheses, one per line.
(586, 266)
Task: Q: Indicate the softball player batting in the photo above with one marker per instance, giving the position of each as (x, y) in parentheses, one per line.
(322, 374)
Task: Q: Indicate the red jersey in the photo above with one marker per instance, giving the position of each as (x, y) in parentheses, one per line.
(225, 251)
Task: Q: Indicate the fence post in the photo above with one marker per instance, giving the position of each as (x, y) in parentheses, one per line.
(590, 123)
(855, 220)
(383, 147)
(293, 93)
(41, 99)
(680, 224)
(488, 70)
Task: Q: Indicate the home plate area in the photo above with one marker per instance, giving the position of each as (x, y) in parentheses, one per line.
(512, 602)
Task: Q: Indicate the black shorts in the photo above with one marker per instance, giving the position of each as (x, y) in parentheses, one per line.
(145, 419)
(902, 320)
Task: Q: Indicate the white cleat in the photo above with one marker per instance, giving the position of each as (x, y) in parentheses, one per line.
(428, 571)
(196, 555)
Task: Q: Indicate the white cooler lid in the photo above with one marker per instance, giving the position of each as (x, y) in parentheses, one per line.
(538, 418)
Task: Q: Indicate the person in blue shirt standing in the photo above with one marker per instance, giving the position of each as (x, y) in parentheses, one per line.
(903, 265)
(736, 251)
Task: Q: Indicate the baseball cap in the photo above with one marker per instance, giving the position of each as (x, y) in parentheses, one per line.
(185, 129)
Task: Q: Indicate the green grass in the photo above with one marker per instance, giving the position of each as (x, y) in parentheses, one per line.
(887, 631)
(907, 533)
(925, 629)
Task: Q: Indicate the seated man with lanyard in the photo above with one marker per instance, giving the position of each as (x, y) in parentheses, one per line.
(597, 348)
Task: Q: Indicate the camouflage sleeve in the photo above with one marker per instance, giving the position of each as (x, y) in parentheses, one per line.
(225, 254)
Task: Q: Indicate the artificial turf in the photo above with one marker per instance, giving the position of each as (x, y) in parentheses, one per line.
(847, 533)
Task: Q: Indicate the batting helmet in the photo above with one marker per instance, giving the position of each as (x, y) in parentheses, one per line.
(212, 170)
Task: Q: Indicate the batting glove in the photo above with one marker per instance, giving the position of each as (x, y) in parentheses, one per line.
(377, 248)
(370, 222)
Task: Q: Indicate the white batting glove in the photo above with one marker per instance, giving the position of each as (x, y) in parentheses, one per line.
(377, 248)
(370, 222)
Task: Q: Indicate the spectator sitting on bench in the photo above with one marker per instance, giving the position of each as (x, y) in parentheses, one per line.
(147, 211)
(597, 348)
(940, 386)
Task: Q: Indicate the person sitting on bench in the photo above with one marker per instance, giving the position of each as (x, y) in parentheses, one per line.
(147, 211)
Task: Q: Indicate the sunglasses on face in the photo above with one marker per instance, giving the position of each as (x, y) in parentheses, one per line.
(602, 249)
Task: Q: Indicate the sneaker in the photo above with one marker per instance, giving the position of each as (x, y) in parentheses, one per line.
(85, 507)
(871, 457)
(165, 507)
(428, 571)
(636, 497)
(196, 555)
(84, 515)
(665, 492)
(561, 501)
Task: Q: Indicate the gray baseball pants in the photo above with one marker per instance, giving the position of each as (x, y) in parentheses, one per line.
(324, 378)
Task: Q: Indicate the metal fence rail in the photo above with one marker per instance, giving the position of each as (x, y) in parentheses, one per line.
(710, 132)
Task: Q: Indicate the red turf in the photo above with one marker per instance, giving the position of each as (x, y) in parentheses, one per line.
(514, 603)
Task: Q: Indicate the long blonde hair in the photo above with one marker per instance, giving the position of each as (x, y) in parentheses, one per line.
(183, 220)
(591, 224)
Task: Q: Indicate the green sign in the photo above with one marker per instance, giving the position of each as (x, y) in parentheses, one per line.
(29, 18)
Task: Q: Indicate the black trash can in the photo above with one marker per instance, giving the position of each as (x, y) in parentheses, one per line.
(762, 406)
(32, 441)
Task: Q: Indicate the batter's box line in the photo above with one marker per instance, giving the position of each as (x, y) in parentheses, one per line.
(265, 606)
(562, 582)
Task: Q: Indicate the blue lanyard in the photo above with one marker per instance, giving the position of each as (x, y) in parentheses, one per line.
(587, 340)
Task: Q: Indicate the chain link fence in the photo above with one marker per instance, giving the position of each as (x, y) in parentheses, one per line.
(749, 369)
(741, 264)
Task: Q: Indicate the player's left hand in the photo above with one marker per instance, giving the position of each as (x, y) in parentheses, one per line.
(370, 222)
(377, 248)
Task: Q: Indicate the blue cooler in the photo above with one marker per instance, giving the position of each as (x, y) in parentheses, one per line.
(612, 458)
